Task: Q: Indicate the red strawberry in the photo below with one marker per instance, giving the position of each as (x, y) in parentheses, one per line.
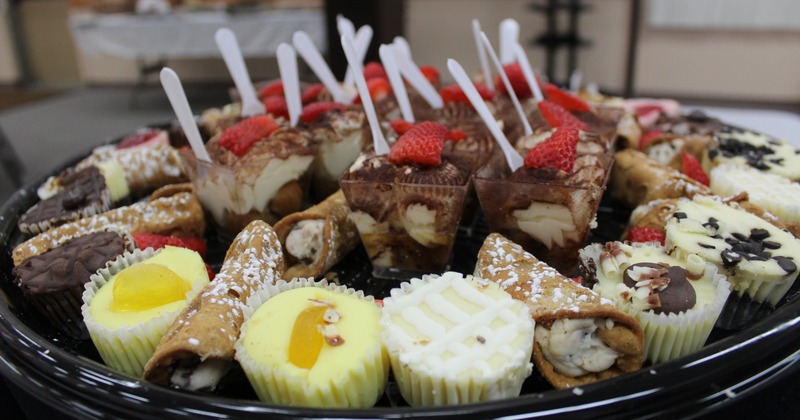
(313, 110)
(311, 93)
(692, 169)
(422, 145)
(431, 73)
(137, 138)
(567, 100)
(646, 234)
(578, 279)
(272, 89)
(276, 105)
(379, 88)
(374, 69)
(401, 126)
(648, 114)
(557, 116)
(455, 135)
(517, 79)
(453, 93)
(244, 134)
(648, 137)
(558, 151)
(211, 273)
(151, 240)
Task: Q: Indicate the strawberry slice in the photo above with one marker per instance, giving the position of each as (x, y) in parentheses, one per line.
(556, 116)
(431, 73)
(151, 240)
(137, 138)
(517, 79)
(276, 106)
(373, 70)
(244, 134)
(422, 145)
(567, 100)
(311, 93)
(692, 168)
(379, 88)
(455, 135)
(313, 110)
(558, 151)
(211, 273)
(646, 234)
(272, 89)
(649, 137)
(401, 126)
(453, 93)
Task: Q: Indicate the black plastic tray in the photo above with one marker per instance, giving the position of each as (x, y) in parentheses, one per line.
(66, 375)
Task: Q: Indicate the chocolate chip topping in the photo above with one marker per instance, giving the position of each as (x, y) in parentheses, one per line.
(82, 190)
(68, 266)
(679, 215)
(786, 264)
(669, 283)
(755, 156)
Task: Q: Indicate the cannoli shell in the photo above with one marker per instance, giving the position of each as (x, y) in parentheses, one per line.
(175, 211)
(145, 168)
(340, 236)
(552, 296)
(210, 325)
(637, 179)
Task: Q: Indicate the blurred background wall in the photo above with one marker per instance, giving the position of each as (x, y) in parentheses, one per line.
(694, 60)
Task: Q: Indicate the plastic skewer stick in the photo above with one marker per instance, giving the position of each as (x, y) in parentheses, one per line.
(575, 81)
(487, 71)
(510, 89)
(379, 142)
(345, 26)
(513, 158)
(509, 36)
(388, 53)
(177, 98)
(525, 65)
(287, 64)
(361, 41)
(402, 46)
(414, 75)
(232, 54)
(306, 48)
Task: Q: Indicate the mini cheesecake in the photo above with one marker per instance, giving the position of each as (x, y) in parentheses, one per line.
(759, 151)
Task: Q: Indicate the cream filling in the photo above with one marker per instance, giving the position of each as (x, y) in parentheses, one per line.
(115, 179)
(222, 190)
(335, 157)
(304, 242)
(551, 224)
(202, 377)
(420, 223)
(574, 349)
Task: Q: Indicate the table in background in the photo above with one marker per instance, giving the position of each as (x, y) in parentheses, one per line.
(153, 39)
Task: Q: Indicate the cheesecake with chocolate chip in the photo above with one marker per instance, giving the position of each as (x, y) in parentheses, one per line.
(677, 302)
(759, 259)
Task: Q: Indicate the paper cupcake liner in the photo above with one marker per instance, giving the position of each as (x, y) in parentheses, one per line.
(103, 206)
(422, 389)
(360, 388)
(751, 297)
(127, 348)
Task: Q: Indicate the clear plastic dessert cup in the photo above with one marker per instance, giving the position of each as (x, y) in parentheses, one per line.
(407, 228)
(259, 189)
(550, 218)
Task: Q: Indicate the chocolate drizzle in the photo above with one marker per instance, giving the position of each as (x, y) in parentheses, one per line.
(669, 288)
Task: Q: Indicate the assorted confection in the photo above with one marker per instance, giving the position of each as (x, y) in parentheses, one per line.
(115, 251)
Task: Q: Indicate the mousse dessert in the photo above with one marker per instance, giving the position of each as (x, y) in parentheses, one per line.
(257, 172)
(548, 205)
(407, 205)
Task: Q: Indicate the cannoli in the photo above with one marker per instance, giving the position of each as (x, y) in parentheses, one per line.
(178, 214)
(197, 350)
(145, 168)
(637, 179)
(317, 238)
(580, 337)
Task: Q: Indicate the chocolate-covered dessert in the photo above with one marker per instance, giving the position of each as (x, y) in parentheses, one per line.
(53, 281)
(83, 193)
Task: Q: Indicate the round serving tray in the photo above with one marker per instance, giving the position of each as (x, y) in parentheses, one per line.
(67, 376)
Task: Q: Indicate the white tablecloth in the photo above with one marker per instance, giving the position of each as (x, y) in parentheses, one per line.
(191, 34)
